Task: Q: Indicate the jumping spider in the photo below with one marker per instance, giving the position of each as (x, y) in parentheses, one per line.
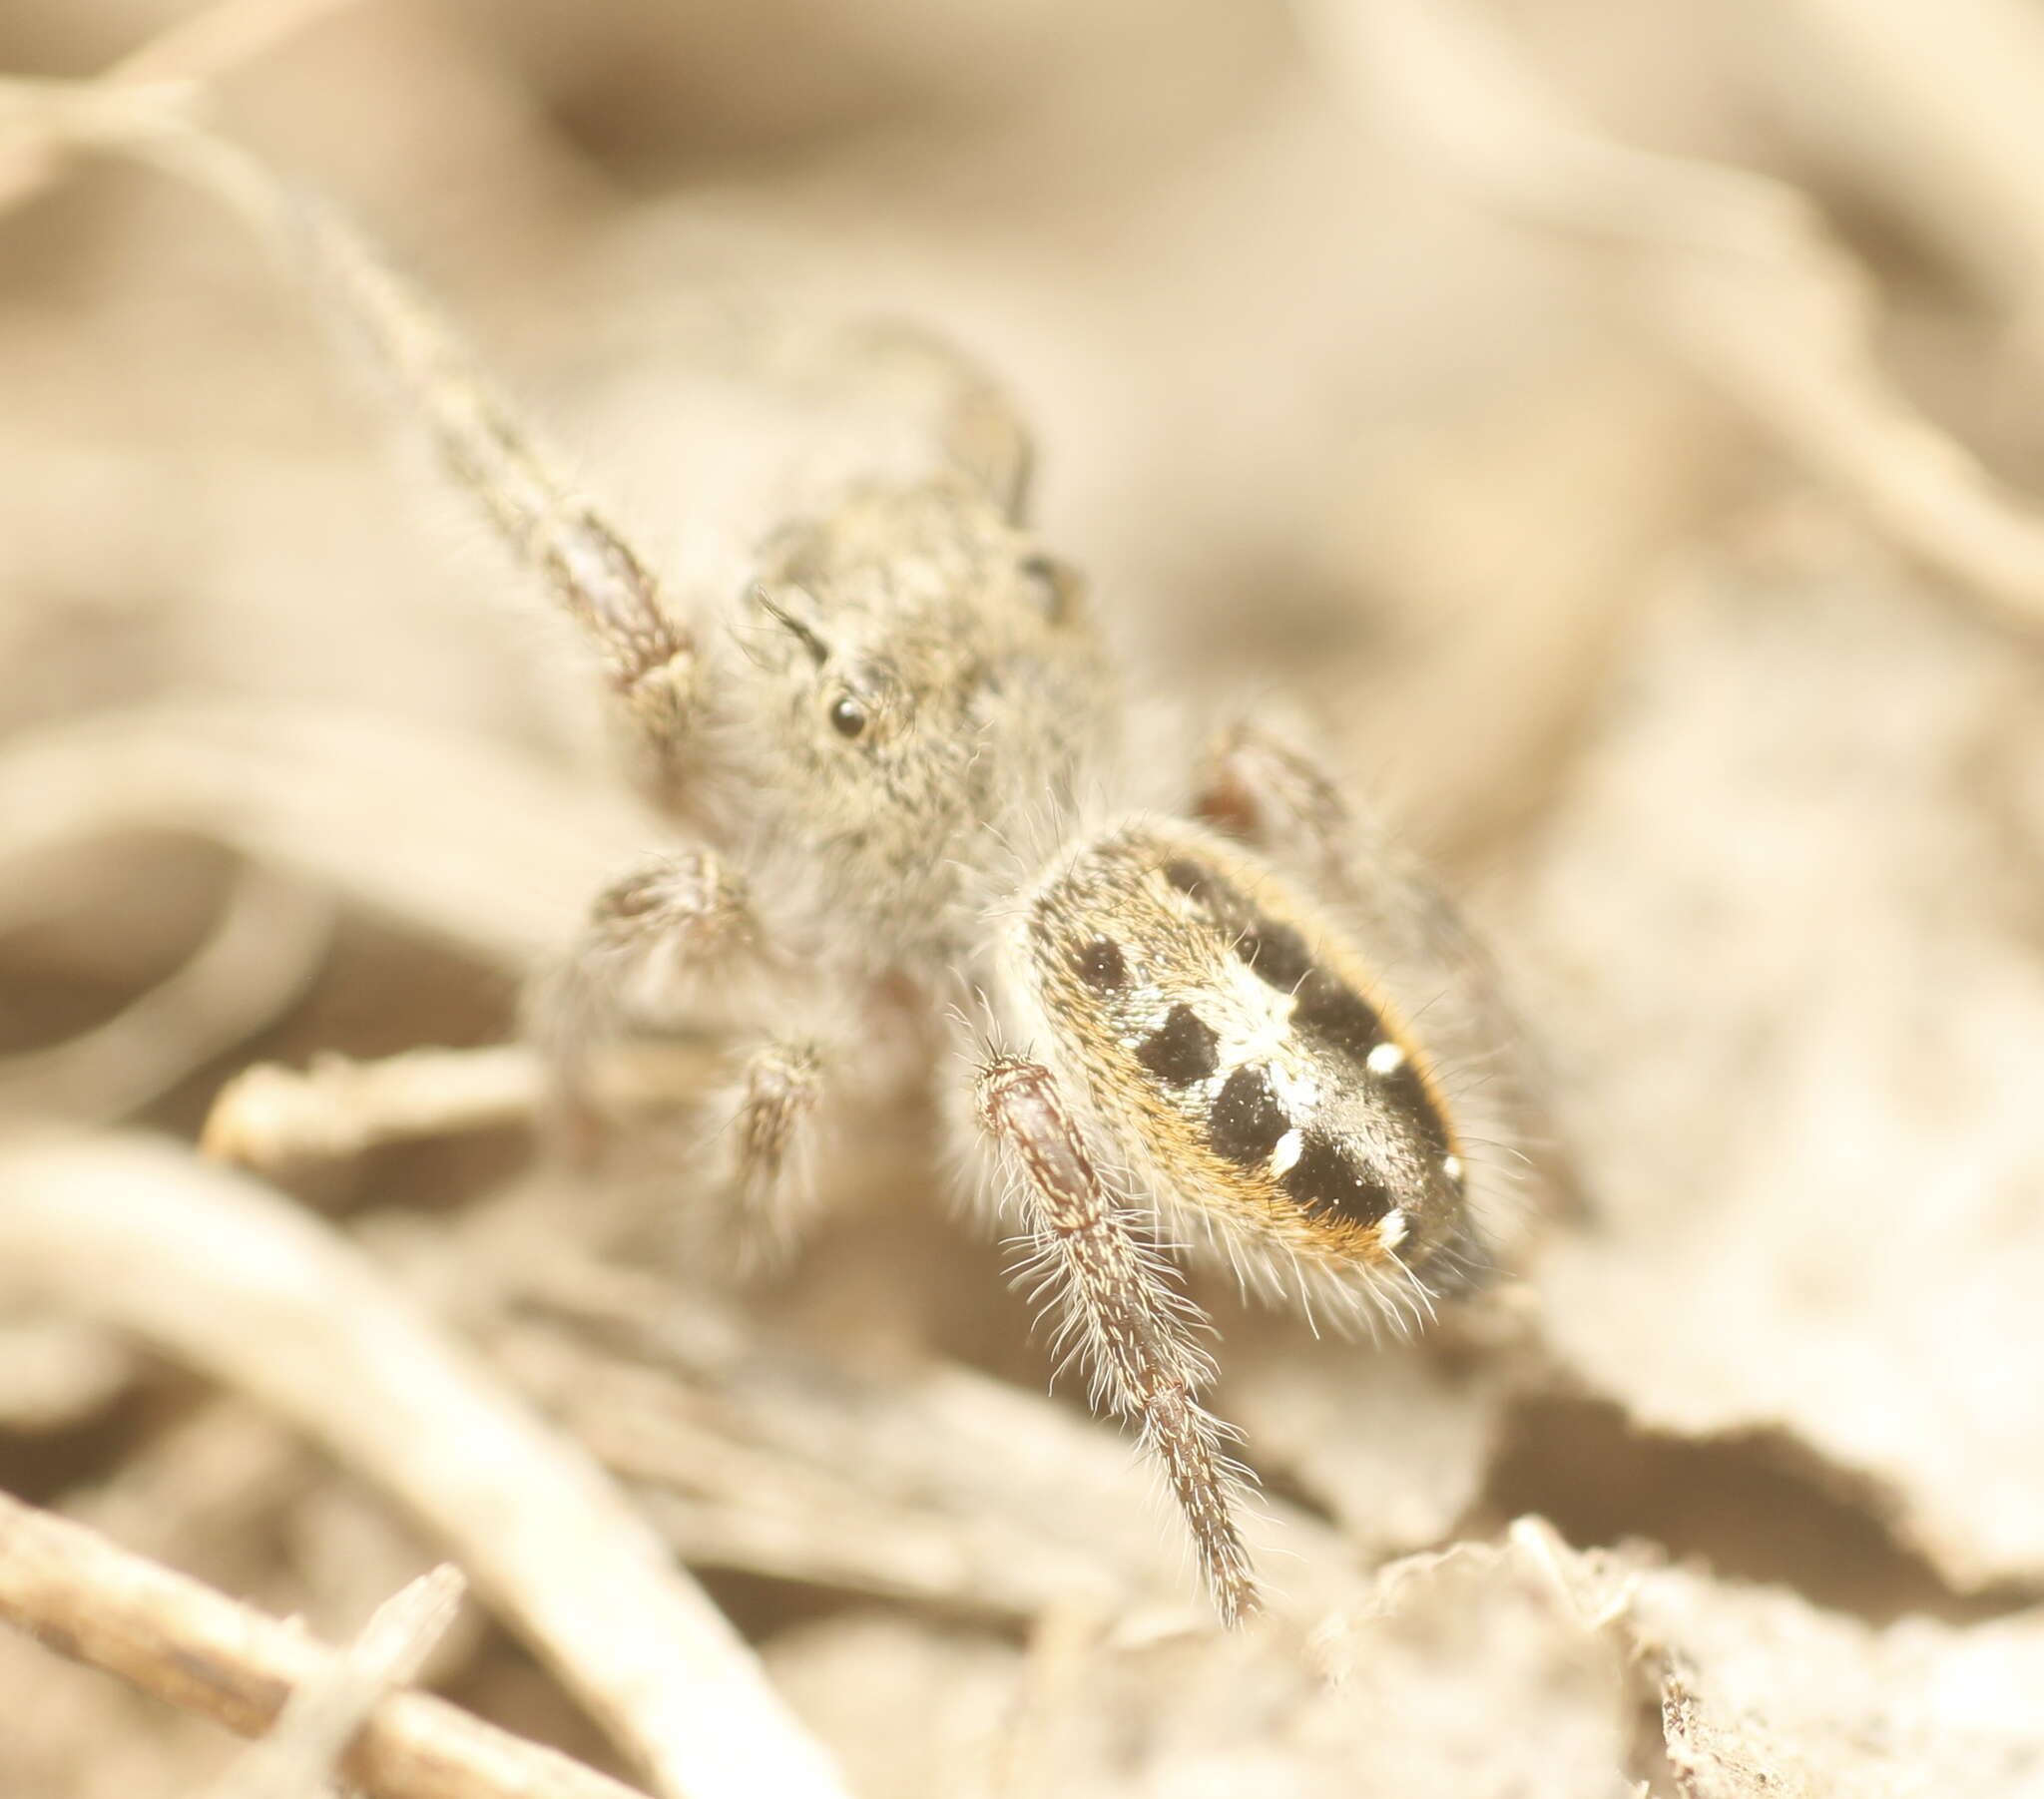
(1200, 1007)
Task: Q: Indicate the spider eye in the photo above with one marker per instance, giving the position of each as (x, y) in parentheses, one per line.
(847, 716)
(1056, 587)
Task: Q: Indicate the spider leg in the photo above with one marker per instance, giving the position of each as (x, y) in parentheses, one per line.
(771, 1131)
(1261, 785)
(522, 487)
(1257, 785)
(1134, 1328)
(651, 938)
(979, 435)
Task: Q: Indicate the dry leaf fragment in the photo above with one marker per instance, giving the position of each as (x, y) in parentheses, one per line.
(1793, 968)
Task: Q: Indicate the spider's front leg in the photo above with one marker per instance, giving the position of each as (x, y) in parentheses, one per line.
(651, 940)
(770, 1134)
(656, 942)
(1135, 1329)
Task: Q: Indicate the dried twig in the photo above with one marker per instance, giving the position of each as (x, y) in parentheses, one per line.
(1936, 101)
(444, 835)
(270, 1117)
(259, 958)
(197, 1649)
(938, 1483)
(1735, 268)
(226, 1275)
(303, 1751)
(204, 47)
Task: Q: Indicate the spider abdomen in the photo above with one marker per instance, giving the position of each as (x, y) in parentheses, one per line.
(1242, 1051)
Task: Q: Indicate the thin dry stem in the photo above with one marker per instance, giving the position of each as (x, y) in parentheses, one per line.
(303, 1751)
(257, 962)
(442, 835)
(1936, 102)
(204, 47)
(197, 1649)
(1735, 268)
(270, 1117)
(230, 1277)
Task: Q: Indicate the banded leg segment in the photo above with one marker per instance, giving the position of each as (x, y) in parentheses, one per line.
(1260, 786)
(1135, 1329)
(1257, 786)
(771, 1137)
(586, 562)
(649, 938)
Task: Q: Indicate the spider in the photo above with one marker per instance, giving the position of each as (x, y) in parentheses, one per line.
(1197, 1005)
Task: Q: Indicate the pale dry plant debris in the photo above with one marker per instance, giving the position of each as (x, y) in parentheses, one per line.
(1934, 105)
(60, 1372)
(276, 1306)
(446, 835)
(935, 1483)
(1600, 1674)
(1128, 1710)
(1391, 1441)
(1721, 1313)
(270, 941)
(928, 1479)
(1763, 1695)
(197, 1649)
(1736, 267)
(301, 1753)
(1850, 757)
(269, 1117)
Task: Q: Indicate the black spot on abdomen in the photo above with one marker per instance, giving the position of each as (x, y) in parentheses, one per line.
(1182, 1050)
(1325, 1179)
(1275, 952)
(1328, 1011)
(1338, 1016)
(1407, 1094)
(1101, 965)
(1247, 1120)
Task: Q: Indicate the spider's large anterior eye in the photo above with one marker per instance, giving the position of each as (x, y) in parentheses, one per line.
(847, 716)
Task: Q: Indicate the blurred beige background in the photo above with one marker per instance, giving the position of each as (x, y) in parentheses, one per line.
(1617, 425)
